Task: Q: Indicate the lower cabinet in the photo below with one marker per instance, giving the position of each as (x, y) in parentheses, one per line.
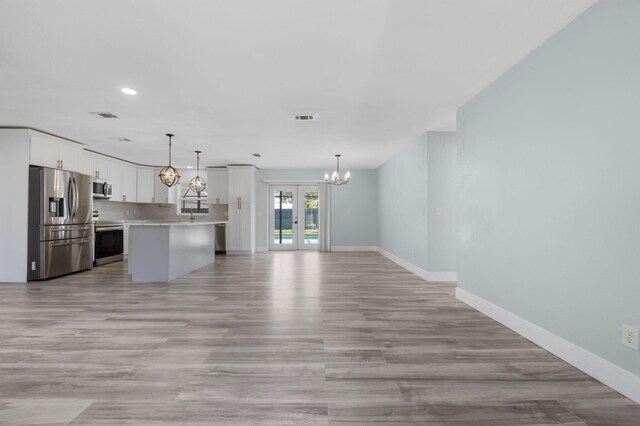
(241, 229)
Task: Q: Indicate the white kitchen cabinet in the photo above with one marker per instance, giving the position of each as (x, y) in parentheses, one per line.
(162, 194)
(144, 185)
(102, 167)
(129, 183)
(115, 173)
(96, 165)
(88, 163)
(50, 151)
(242, 183)
(241, 230)
(218, 185)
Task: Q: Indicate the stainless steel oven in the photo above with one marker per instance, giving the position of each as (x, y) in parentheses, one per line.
(109, 244)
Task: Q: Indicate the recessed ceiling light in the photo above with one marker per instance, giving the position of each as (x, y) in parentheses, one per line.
(128, 91)
(189, 167)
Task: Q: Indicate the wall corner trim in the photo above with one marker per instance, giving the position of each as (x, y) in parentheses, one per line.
(615, 377)
(406, 265)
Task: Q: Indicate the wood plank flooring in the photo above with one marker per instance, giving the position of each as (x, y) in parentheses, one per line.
(286, 338)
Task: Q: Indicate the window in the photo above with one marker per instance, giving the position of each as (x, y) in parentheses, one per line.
(191, 202)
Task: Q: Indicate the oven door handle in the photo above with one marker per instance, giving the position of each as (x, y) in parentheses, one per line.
(69, 242)
(107, 228)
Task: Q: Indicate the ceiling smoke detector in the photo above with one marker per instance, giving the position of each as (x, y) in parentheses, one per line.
(103, 114)
(307, 117)
(120, 139)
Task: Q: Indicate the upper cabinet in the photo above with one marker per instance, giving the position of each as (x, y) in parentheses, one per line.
(50, 151)
(129, 183)
(145, 185)
(115, 175)
(218, 185)
(242, 184)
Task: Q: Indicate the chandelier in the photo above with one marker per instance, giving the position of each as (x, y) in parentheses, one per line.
(335, 176)
(169, 175)
(197, 184)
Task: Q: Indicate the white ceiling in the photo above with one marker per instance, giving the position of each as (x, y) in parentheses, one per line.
(227, 76)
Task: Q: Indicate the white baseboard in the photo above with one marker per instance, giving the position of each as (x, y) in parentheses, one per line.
(258, 249)
(406, 265)
(235, 252)
(606, 372)
(442, 277)
(354, 248)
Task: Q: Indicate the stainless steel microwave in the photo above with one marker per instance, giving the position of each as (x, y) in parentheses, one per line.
(101, 188)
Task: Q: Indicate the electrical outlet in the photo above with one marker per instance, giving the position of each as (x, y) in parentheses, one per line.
(630, 337)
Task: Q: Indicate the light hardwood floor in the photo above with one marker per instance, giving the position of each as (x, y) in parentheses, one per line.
(288, 338)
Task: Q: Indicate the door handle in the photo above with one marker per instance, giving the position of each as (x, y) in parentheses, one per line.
(295, 222)
(70, 202)
(239, 203)
(68, 243)
(78, 228)
(76, 198)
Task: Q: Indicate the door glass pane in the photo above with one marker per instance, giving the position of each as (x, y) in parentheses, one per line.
(311, 217)
(282, 217)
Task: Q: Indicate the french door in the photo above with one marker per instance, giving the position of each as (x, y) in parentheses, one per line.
(293, 218)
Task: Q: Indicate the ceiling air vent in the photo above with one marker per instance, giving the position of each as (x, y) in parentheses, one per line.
(103, 114)
(120, 139)
(256, 155)
(308, 117)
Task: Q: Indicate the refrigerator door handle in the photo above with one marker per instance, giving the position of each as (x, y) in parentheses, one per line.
(70, 202)
(76, 197)
(69, 242)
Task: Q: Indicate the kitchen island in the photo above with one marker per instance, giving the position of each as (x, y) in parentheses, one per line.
(164, 251)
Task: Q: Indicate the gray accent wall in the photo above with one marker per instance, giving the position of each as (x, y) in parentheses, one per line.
(442, 202)
(411, 186)
(550, 184)
(402, 204)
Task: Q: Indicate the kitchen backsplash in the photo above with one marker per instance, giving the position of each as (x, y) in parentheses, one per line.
(114, 210)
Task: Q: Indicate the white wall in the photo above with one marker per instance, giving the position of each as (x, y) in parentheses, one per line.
(550, 186)
(14, 152)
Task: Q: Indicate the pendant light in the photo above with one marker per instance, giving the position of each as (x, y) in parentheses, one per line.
(197, 184)
(168, 175)
(335, 176)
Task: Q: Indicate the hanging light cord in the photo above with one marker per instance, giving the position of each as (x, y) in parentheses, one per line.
(170, 136)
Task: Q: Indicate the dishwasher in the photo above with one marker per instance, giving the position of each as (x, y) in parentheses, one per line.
(221, 238)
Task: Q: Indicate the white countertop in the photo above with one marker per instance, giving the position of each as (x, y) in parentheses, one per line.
(172, 223)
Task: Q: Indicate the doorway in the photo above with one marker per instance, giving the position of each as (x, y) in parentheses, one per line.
(293, 221)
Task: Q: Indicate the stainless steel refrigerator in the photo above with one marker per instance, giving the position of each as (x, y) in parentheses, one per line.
(60, 227)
